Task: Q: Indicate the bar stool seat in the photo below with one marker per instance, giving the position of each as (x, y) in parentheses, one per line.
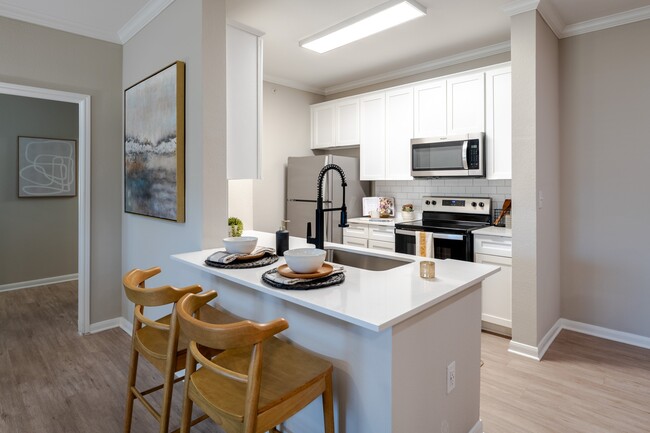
(257, 381)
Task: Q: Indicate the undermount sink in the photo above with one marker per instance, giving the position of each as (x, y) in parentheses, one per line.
(363, 261)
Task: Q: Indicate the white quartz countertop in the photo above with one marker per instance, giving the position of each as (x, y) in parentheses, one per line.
(382, 221)
(375, 300)
(494, 231)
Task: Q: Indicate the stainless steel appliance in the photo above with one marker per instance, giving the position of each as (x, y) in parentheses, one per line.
(451, 221)
(302, 176)
(454, 156)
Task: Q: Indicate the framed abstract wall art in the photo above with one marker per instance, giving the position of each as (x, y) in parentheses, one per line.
(154, 145)
(47, 167)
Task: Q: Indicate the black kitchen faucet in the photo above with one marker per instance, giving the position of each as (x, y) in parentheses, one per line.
(319, 240)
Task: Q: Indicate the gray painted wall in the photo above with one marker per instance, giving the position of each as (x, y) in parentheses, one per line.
(41, 57)
(39, 235)
(193, 32)
(605, 152)
(287, 132)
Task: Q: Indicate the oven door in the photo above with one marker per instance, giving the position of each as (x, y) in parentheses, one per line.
(445, 245)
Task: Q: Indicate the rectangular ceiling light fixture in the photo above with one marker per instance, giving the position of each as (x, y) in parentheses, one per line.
(375, 20)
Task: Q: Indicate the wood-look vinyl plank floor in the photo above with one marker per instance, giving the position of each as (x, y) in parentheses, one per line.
(584, 384)
(53, 380)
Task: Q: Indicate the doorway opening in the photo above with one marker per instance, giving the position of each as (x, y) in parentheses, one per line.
(83, 191)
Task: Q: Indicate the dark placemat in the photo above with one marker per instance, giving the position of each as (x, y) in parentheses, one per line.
(268, 259)
(330, 280)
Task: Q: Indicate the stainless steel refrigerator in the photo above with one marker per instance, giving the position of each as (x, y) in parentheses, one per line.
(302, 177)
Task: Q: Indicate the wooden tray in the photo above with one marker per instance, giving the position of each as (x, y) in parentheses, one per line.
(323, 271)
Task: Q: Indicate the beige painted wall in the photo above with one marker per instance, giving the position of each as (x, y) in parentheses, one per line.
(193, 32)
(41, 57)
(454, 69)
(605, 153)
(524, 178)
(38, 231)
(287, 129)
(548, 178)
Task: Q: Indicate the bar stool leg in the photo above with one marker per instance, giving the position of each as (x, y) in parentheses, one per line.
(328, 405)
(130, 397)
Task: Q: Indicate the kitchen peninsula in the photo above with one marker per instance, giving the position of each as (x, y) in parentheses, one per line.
(391, 336)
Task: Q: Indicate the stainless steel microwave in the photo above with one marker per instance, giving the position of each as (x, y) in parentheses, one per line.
(453, 156)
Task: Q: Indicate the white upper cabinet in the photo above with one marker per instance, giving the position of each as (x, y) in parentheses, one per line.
(244, 103)
(430, 109)
(466, 104)
(372, 150)
(399, 131)
(335, 123)
(498, 128)
(347, 122)
(322, 126)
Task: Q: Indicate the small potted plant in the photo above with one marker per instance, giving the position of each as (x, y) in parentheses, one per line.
(235, 227)
(407, 212)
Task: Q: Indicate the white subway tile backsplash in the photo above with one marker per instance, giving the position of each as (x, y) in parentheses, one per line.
(412, 191)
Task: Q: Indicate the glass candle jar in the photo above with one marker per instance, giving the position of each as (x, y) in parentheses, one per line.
(427, 269)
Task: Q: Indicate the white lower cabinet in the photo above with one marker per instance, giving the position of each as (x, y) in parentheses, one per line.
(370, 236)
(496, 312)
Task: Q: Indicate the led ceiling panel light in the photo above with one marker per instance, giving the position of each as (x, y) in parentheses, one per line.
(375, 20)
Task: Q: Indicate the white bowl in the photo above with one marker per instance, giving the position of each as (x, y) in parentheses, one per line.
(240, 244)
(304, 260)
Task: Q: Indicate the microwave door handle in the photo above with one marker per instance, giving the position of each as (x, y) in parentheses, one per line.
(464, 152)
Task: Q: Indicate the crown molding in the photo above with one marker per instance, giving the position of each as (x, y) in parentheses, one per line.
(519, 7)
(45, 20)
(607, 22)
(550, 14)
(144, 16)
(444, 62)
(294, 84)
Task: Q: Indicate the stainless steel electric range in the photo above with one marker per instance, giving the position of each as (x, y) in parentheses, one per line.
(451, 220)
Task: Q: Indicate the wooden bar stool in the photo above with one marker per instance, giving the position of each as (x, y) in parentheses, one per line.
(158, 340)
(257, 381)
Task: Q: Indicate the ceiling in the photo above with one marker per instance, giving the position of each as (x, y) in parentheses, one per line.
(452, 31)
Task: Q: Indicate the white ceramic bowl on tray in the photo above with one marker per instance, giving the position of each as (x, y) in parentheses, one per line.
(304, 260)
(240, 244)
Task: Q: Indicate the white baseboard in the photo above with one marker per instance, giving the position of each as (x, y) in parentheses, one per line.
(118, 322)
(126, 326)
(537, 353)
(478, 427)
(39, 282)
(606, 333)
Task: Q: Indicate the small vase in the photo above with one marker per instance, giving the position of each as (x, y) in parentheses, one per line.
(407, 216)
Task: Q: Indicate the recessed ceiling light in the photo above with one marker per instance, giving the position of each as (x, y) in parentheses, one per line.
(382, 17)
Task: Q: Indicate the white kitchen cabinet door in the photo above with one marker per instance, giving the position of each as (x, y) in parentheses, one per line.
(498, 128)
(379, 233)
(355, 230)
(381, 245)
(497, 291)
(399, 131)
(356, 242)
(347, 122)
(244, 103)
(322, 125)
(466, 104)
(372, 148)
(430, 109)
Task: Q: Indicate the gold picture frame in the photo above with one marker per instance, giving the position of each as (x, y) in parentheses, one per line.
(154, 145)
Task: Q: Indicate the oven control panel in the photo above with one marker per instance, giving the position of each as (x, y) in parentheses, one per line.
(469, 205)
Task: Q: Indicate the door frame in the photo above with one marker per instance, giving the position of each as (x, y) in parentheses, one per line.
(83, 192)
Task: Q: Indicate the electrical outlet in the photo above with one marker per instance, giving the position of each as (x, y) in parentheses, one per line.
(451, 377)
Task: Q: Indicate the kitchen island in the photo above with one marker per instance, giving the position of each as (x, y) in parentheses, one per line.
(391, 336)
